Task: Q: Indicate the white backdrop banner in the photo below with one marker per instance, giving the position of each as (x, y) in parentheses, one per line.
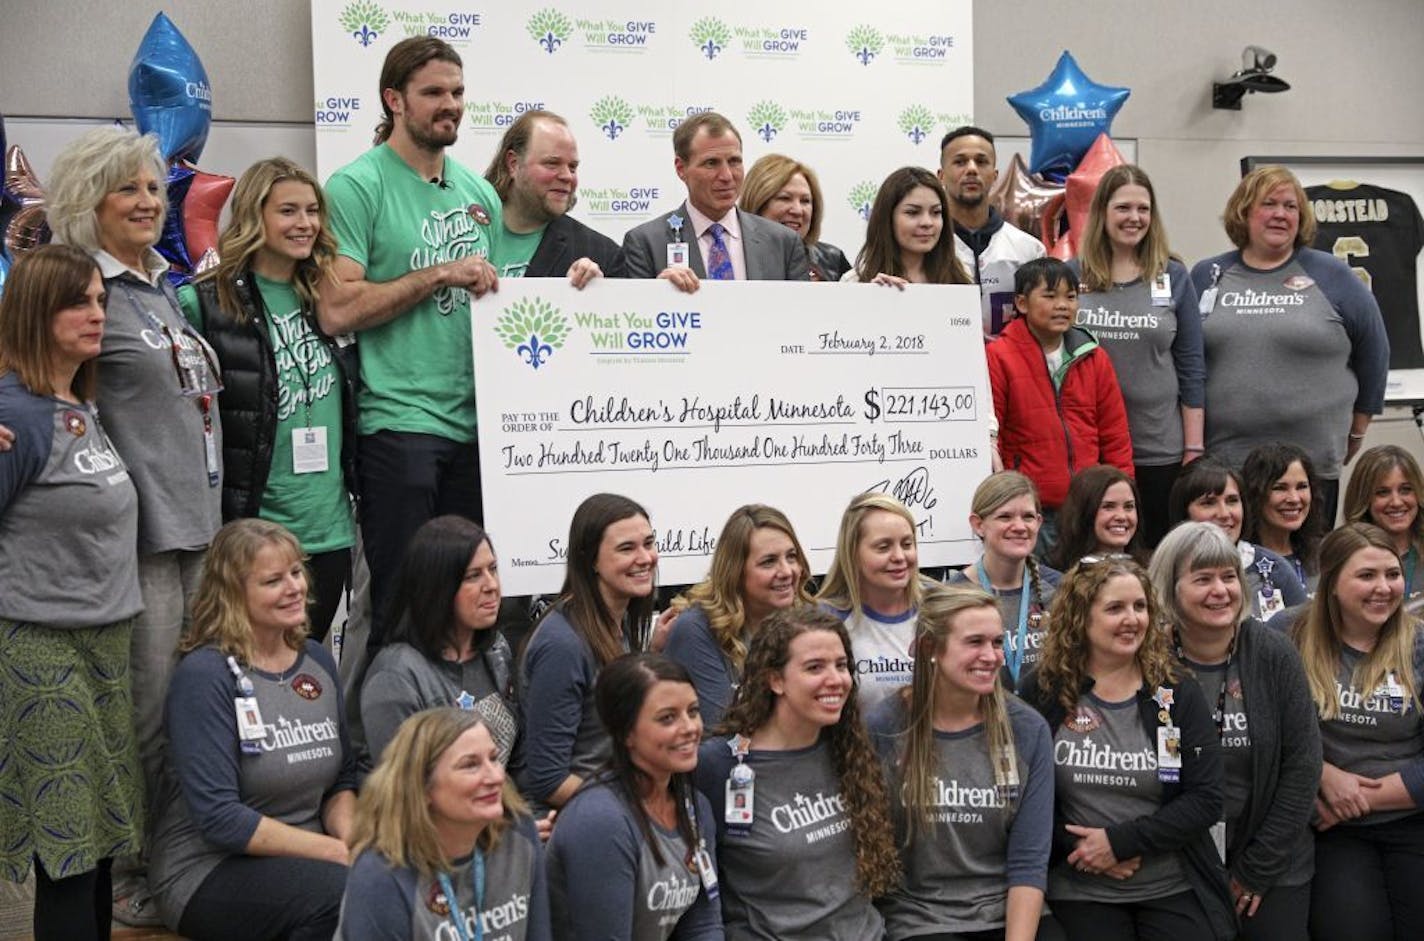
(744, 392)
(852, 91)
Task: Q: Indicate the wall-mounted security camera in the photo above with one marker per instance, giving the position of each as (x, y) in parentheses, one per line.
(1255, 76)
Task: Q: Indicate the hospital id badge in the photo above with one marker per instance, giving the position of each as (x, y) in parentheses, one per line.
(309, 450)
(741, 798)
(249, 719)
(706, 872)
(1162, 290)
(1270, 602)
(677, 254)
(1169, 753)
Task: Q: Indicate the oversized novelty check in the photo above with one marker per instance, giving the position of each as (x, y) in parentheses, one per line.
(795, 395)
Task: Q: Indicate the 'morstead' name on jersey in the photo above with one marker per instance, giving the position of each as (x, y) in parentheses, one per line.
(1090, 754)
(1350, 210)
(805, 811)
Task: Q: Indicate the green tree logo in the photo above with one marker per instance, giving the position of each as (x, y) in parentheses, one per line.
(767, 117)
(612, 115)
(865, 43)
(862, 195)
(549, 28)
(710, 35)
(532, 328)
(917, 122)
(364, 21)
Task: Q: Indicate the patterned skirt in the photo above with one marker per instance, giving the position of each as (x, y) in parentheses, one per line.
(71, 792)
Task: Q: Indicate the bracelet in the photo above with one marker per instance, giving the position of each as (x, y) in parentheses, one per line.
(1194, 448)
(1355, 437)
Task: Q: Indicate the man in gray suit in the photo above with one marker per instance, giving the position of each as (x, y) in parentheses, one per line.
(708, 236)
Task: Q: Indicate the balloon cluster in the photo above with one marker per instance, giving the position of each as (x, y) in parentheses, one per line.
(170, 99)
(1065, 115)
(1077, 196)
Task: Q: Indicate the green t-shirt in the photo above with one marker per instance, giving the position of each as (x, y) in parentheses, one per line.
(417, 373)
(314, 506)
(516, 251)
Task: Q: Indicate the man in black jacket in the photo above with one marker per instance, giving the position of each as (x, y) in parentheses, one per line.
(535, 172)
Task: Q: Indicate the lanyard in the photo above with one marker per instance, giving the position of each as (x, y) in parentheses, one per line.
(198, 373)
(477, 877)
(1220, 715)
(1014, 657)
(275, 333)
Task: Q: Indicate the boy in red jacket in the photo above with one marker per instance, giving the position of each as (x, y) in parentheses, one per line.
(1055, 392)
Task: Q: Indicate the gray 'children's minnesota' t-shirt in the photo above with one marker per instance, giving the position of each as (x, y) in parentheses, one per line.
(605, 881)
(982, 840)
(1107, 774)
(792, 877)
(1369, 737)
(382, 902)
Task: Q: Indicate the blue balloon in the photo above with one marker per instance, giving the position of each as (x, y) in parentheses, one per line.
(169, 92)
(1065, 115)
(171, 244)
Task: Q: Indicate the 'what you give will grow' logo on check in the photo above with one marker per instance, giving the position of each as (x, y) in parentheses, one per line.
(533, 329)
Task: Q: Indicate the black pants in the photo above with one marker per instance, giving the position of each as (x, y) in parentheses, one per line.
(266, 898)
(1281, 916)
(331, 574)
(406, 480)
(76, 908)
(1177, 917)
(1369, 882)
(1327, 492)
(1154, 484)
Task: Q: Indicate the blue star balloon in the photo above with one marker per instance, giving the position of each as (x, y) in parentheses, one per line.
(171, 244)
(169, 93)
(1065, 115)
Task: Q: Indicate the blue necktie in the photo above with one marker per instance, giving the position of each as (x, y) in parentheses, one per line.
(719, 262)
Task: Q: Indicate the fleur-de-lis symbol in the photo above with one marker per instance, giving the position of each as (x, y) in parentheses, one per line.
(767, 132)
(550, 42)
(864, 211)
(710, 48)
(613, 129)
(535, 353)
(365, 35)
(917, 134)
(865, 55)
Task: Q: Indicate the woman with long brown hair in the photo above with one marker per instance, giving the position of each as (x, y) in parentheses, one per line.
(758, 567)
(603, 611)
(906, 241)
(1138, 767)
(804, 835)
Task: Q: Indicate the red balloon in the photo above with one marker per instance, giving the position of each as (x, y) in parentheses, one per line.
(201, 210)
(26, 228)
(1078, 196)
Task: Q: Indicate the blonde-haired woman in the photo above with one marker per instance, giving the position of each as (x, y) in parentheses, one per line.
(970, 772)
(289, 400)
(1006, 515)
(1138, 767)
(1385, 488)
(803, 835)
(443, 846)
(874, 586)
(261, 784)
(758, 567)
(158, 382)
(784, 190)
(1270, 741)
(1130, 277)
(1364, 662)
(1295, 345)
